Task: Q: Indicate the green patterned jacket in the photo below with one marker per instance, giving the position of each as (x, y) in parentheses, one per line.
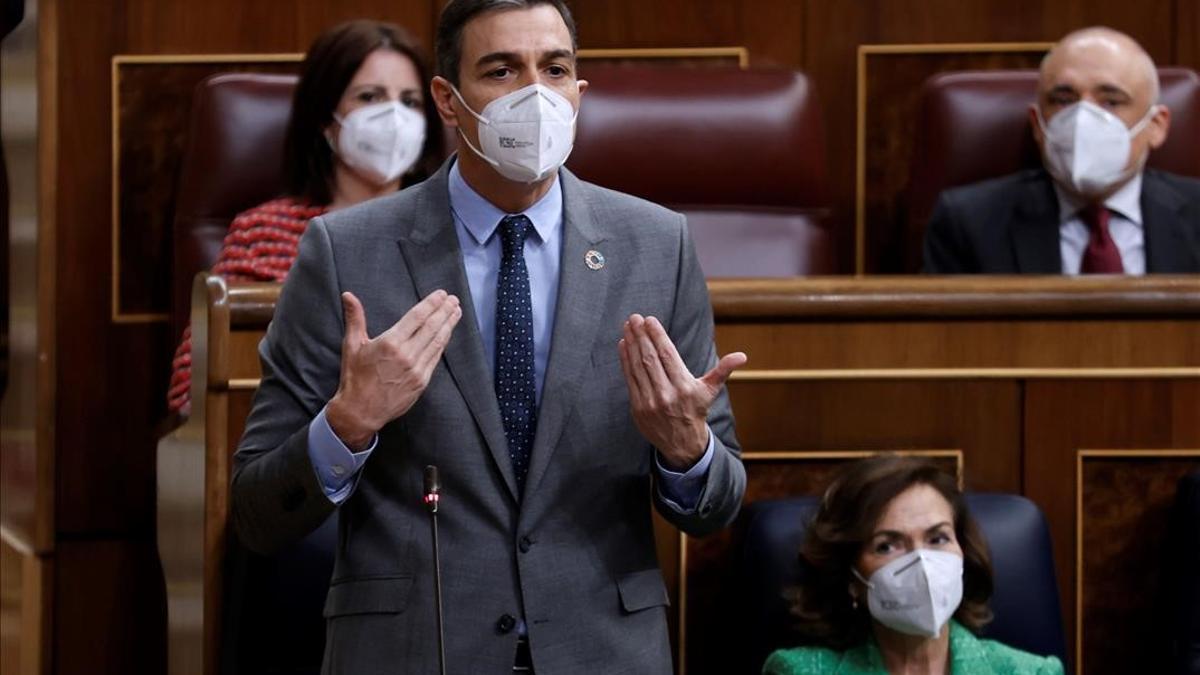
(969, 655)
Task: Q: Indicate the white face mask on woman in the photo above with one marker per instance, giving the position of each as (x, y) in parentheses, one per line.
(381, 141)
(917, 593)
(1087, 148)
(526, 134)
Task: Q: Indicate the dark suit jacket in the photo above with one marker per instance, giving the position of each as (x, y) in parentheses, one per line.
(575, 555)
(1010, 225)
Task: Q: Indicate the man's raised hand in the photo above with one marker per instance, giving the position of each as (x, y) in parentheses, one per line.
(382, 377)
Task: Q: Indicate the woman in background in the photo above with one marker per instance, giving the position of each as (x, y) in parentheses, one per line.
(898, 580)
(362, 126)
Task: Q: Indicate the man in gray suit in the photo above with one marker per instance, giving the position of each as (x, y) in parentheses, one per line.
(535, 337)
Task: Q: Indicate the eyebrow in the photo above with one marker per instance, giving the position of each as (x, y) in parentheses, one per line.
(370, 85)
(507, 57)
(893, 534)
(1103, 89)
(1113, 89)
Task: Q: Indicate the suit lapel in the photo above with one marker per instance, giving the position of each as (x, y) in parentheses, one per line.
(581, 297)
(1167, 251)
(1034, 229)
(434, 260)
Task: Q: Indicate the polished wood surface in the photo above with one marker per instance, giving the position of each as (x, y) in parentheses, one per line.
(1011, 384)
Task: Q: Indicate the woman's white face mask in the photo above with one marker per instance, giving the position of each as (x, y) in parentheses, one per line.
(526, 135)
(1087, 148)
(380, 141)
(917, 593)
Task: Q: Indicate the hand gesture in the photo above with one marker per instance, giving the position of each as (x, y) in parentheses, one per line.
(669, 406)
(383, 377)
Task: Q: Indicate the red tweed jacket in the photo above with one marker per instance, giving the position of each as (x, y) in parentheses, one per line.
(261, 246)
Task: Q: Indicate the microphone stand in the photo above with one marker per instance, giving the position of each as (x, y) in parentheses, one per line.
(432, 494)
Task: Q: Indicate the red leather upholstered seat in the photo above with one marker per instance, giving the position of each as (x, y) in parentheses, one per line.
(974, 125)
(740, 152)
(232, 162)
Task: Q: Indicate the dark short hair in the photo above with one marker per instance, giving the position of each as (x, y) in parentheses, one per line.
(332, 60)
(843, 525)
(457, 13)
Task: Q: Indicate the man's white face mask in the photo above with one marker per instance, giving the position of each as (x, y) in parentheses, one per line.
(917, 593)
(381, 141)
(526, 134)
(1087, 148)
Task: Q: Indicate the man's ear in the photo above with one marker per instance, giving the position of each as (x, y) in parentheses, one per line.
(1160, 124)
(443, 98)
(1038, 133)
(583, 85)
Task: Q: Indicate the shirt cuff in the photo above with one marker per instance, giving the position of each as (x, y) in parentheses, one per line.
(682, 490)
(337, 467)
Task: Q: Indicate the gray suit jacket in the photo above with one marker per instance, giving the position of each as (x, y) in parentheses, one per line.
(576, 556)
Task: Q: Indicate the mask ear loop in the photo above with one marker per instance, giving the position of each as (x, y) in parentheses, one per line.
(866, 583)
(1141, 125)
(482, 120)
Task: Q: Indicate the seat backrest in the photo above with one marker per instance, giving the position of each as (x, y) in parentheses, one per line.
(974, 125)
(1025, 601)
(233, 161)
(739, 151)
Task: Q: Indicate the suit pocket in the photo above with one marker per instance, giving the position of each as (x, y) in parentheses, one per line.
(370, 595)
(642, 590)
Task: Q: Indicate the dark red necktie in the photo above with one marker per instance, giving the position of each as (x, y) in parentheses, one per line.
(1101, 255)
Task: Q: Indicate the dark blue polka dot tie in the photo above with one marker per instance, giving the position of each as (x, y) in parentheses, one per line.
(514, 346)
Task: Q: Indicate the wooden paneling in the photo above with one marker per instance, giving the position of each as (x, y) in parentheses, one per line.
(24, 611)
(1124, 511)
(109, 609)
(1063, 417)
(770, 29)
(253, 26)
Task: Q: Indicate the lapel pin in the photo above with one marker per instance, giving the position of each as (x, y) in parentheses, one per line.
(593, 259)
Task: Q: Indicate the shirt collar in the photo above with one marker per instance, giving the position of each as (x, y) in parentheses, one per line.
(481, 218)
(1127, 202)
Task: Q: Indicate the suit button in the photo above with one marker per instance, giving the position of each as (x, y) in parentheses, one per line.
(506, 623)
(525, 544)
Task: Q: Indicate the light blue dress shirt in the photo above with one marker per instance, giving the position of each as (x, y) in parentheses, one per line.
(475, 222)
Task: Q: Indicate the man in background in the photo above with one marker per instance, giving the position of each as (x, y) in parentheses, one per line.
(1094, 208)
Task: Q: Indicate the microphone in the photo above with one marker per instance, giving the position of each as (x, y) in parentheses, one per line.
(433, 489)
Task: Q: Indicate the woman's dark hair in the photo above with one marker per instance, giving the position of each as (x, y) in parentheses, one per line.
(331, 62)
(844, 524)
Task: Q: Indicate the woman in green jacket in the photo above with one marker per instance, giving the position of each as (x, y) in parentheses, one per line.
(898, 581)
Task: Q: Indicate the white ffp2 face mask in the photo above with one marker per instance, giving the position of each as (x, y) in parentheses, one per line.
(917, 593)
(526, 134)
(1087, 148)
(381, 141)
